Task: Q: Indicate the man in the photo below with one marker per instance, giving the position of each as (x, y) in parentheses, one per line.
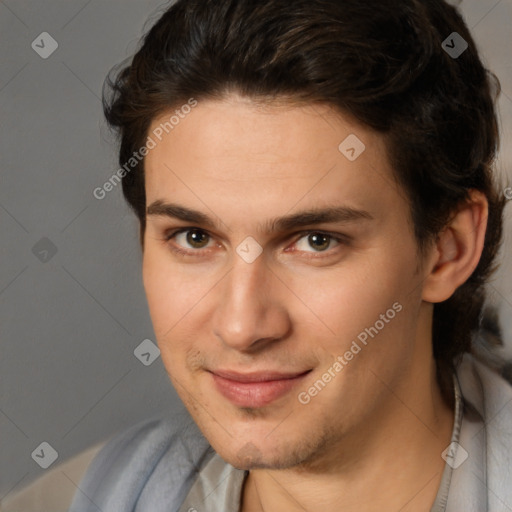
(318, 214)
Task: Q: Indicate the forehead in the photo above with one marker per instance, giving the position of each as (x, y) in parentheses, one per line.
(239, 127)
(236, 155)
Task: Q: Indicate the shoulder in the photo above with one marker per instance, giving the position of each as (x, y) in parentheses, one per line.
(491, 395)
(487, 390)
(54, 490)
(150, 466)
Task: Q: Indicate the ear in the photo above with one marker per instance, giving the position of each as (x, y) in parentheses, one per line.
(457, 250)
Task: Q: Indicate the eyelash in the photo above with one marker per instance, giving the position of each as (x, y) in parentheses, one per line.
(341, 239)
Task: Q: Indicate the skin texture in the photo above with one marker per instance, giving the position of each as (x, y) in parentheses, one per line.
(372, 438)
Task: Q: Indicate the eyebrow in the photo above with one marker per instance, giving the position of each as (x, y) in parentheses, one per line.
(305, 218)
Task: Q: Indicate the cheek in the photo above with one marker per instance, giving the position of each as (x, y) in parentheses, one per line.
(167, 312)
(352, 297)
(168, 296)
(176, 296)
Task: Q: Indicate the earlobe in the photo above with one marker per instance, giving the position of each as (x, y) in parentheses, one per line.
(457, 250)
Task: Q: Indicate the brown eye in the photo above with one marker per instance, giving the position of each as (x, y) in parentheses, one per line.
(193, 238)
(319, 242)
(197, 239)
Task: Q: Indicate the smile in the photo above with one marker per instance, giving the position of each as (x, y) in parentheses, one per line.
(255, 389)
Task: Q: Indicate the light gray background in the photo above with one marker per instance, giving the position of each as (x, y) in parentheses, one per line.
(69, 325)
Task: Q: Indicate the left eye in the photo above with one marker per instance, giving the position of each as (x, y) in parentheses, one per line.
(319, 242)
(192, 238)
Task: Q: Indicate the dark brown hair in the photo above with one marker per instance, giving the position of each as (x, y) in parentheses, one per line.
(380, 61)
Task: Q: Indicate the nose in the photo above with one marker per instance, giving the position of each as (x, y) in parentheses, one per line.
(251, 312)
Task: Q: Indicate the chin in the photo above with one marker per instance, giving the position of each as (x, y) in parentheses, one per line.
(278, 454)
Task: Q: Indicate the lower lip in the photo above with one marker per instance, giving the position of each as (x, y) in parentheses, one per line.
(255, 394)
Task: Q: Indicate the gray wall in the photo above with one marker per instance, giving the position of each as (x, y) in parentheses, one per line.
(72, 306)
(70, 324)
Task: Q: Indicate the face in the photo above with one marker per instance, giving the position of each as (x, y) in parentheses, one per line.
(281, 274)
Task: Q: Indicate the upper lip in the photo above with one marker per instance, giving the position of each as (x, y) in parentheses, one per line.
(261, 376)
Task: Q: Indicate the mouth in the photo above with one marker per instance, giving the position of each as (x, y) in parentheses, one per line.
(256, 389)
